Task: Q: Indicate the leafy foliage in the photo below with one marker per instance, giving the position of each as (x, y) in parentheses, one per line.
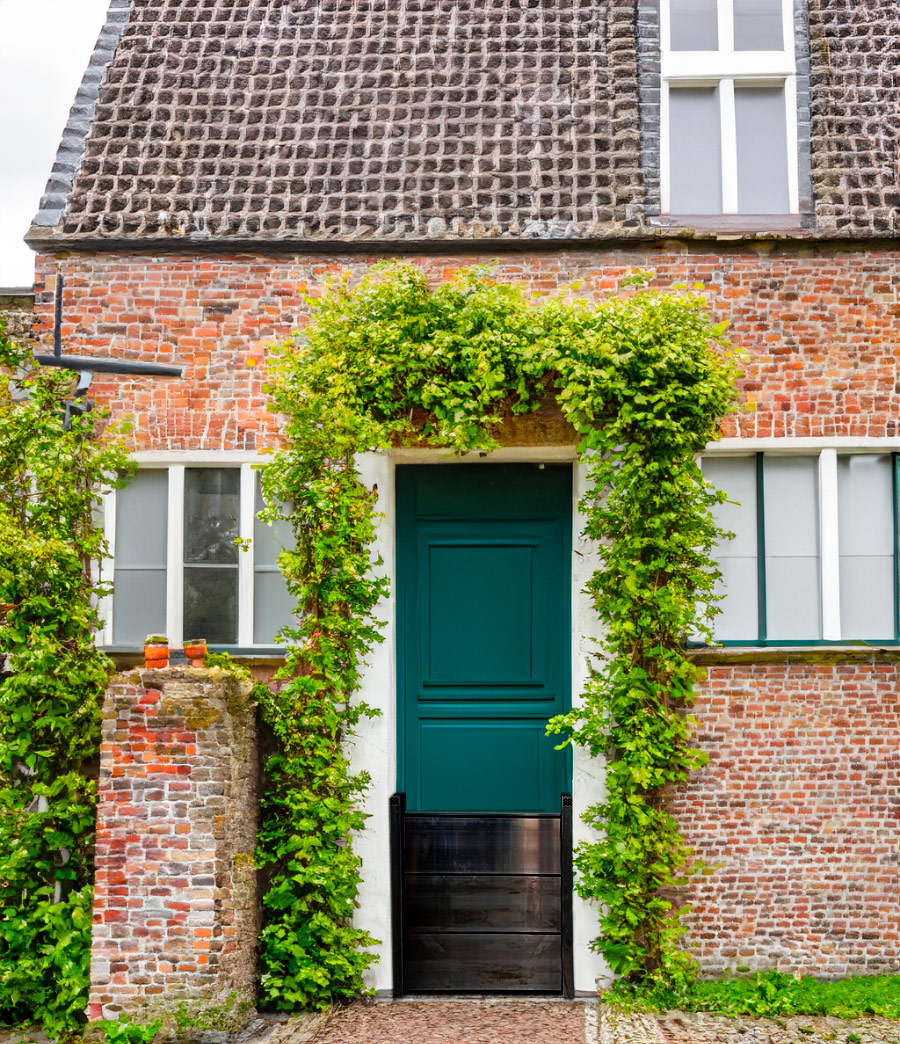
(230, 1017)
(51, 680)
(775, 993)
(642, 386)
(644, 381)
(124, 1031)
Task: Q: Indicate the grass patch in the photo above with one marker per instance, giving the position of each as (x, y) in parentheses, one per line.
(774, 993)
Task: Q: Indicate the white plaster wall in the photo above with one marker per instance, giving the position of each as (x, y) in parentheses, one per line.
(588, 774)
(374, 749)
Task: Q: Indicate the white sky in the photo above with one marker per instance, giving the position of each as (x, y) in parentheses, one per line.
(45, 46)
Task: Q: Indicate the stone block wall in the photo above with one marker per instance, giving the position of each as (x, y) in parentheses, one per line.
(799, 811)
(175, 906)
(17, 314)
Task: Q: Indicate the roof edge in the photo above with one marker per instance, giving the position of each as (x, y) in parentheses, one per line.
(42, 243)
(74, 137)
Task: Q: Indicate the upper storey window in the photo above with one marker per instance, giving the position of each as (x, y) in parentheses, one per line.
(729, 107)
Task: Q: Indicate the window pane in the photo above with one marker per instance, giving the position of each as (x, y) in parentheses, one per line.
(272, 606)
(211, 603)
(139, 576)
(694, 25)
(758, 25)
(141, 513)
(211, 511)
(139, 605)
(268, 540)
(793, 597)
(695, 151)
(737, 558)
(761, 150)
(866, 544)
(866, 504)
(739, 619)
(867, 598)
(737, 477)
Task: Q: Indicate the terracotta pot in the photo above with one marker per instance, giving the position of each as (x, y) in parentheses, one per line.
(195, 650)
(156, 654)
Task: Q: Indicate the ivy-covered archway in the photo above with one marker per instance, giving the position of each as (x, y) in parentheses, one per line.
(644, 379)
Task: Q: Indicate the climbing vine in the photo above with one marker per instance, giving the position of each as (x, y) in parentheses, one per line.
(644, 379)
(52, 678)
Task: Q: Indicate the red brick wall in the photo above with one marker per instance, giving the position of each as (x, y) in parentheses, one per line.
(799, 804)
(821, 330)
(799, 808)
(175, 914)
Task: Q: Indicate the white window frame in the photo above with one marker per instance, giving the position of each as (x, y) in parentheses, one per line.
(827, 450)
(175, 464)
(724, 69)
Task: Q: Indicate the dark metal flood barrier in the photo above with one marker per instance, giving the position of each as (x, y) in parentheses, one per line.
(482, 903)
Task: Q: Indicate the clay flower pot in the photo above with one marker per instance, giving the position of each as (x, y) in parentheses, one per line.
(156, 651)
(195, 651)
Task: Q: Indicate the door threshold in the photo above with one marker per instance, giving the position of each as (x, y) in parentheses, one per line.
(478, 998)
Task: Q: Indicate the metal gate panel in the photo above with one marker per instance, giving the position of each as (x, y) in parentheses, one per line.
(482, 903)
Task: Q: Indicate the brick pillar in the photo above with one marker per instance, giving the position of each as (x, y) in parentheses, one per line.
(175, 910)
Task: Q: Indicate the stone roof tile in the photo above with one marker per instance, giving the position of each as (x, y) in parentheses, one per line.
(349, 120)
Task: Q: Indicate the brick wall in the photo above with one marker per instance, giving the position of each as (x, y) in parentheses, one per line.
(820, 329)
(799, 809)
(175, 911)
(799, 803)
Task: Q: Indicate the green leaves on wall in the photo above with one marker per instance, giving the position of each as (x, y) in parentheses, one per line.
(644, 379)
(52, 679)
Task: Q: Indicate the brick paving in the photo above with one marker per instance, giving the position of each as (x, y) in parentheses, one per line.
(461, 1022)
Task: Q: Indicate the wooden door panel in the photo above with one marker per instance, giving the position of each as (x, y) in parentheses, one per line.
(480, 627)
(484, 641)
(486, 765)
(481, 844)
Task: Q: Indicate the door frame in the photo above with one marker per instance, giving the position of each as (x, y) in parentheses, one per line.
(373, 748)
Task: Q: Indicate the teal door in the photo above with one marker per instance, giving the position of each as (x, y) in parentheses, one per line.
(484, 635)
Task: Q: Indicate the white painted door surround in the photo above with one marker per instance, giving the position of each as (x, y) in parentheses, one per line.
(374, 748)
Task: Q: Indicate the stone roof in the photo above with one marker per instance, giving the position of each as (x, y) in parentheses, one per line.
(362, 122)
(348, 120)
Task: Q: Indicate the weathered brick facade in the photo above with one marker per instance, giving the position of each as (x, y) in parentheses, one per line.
(175, 911)
(798, 812)
(800, 802)
(820, 329)
(225, 159)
